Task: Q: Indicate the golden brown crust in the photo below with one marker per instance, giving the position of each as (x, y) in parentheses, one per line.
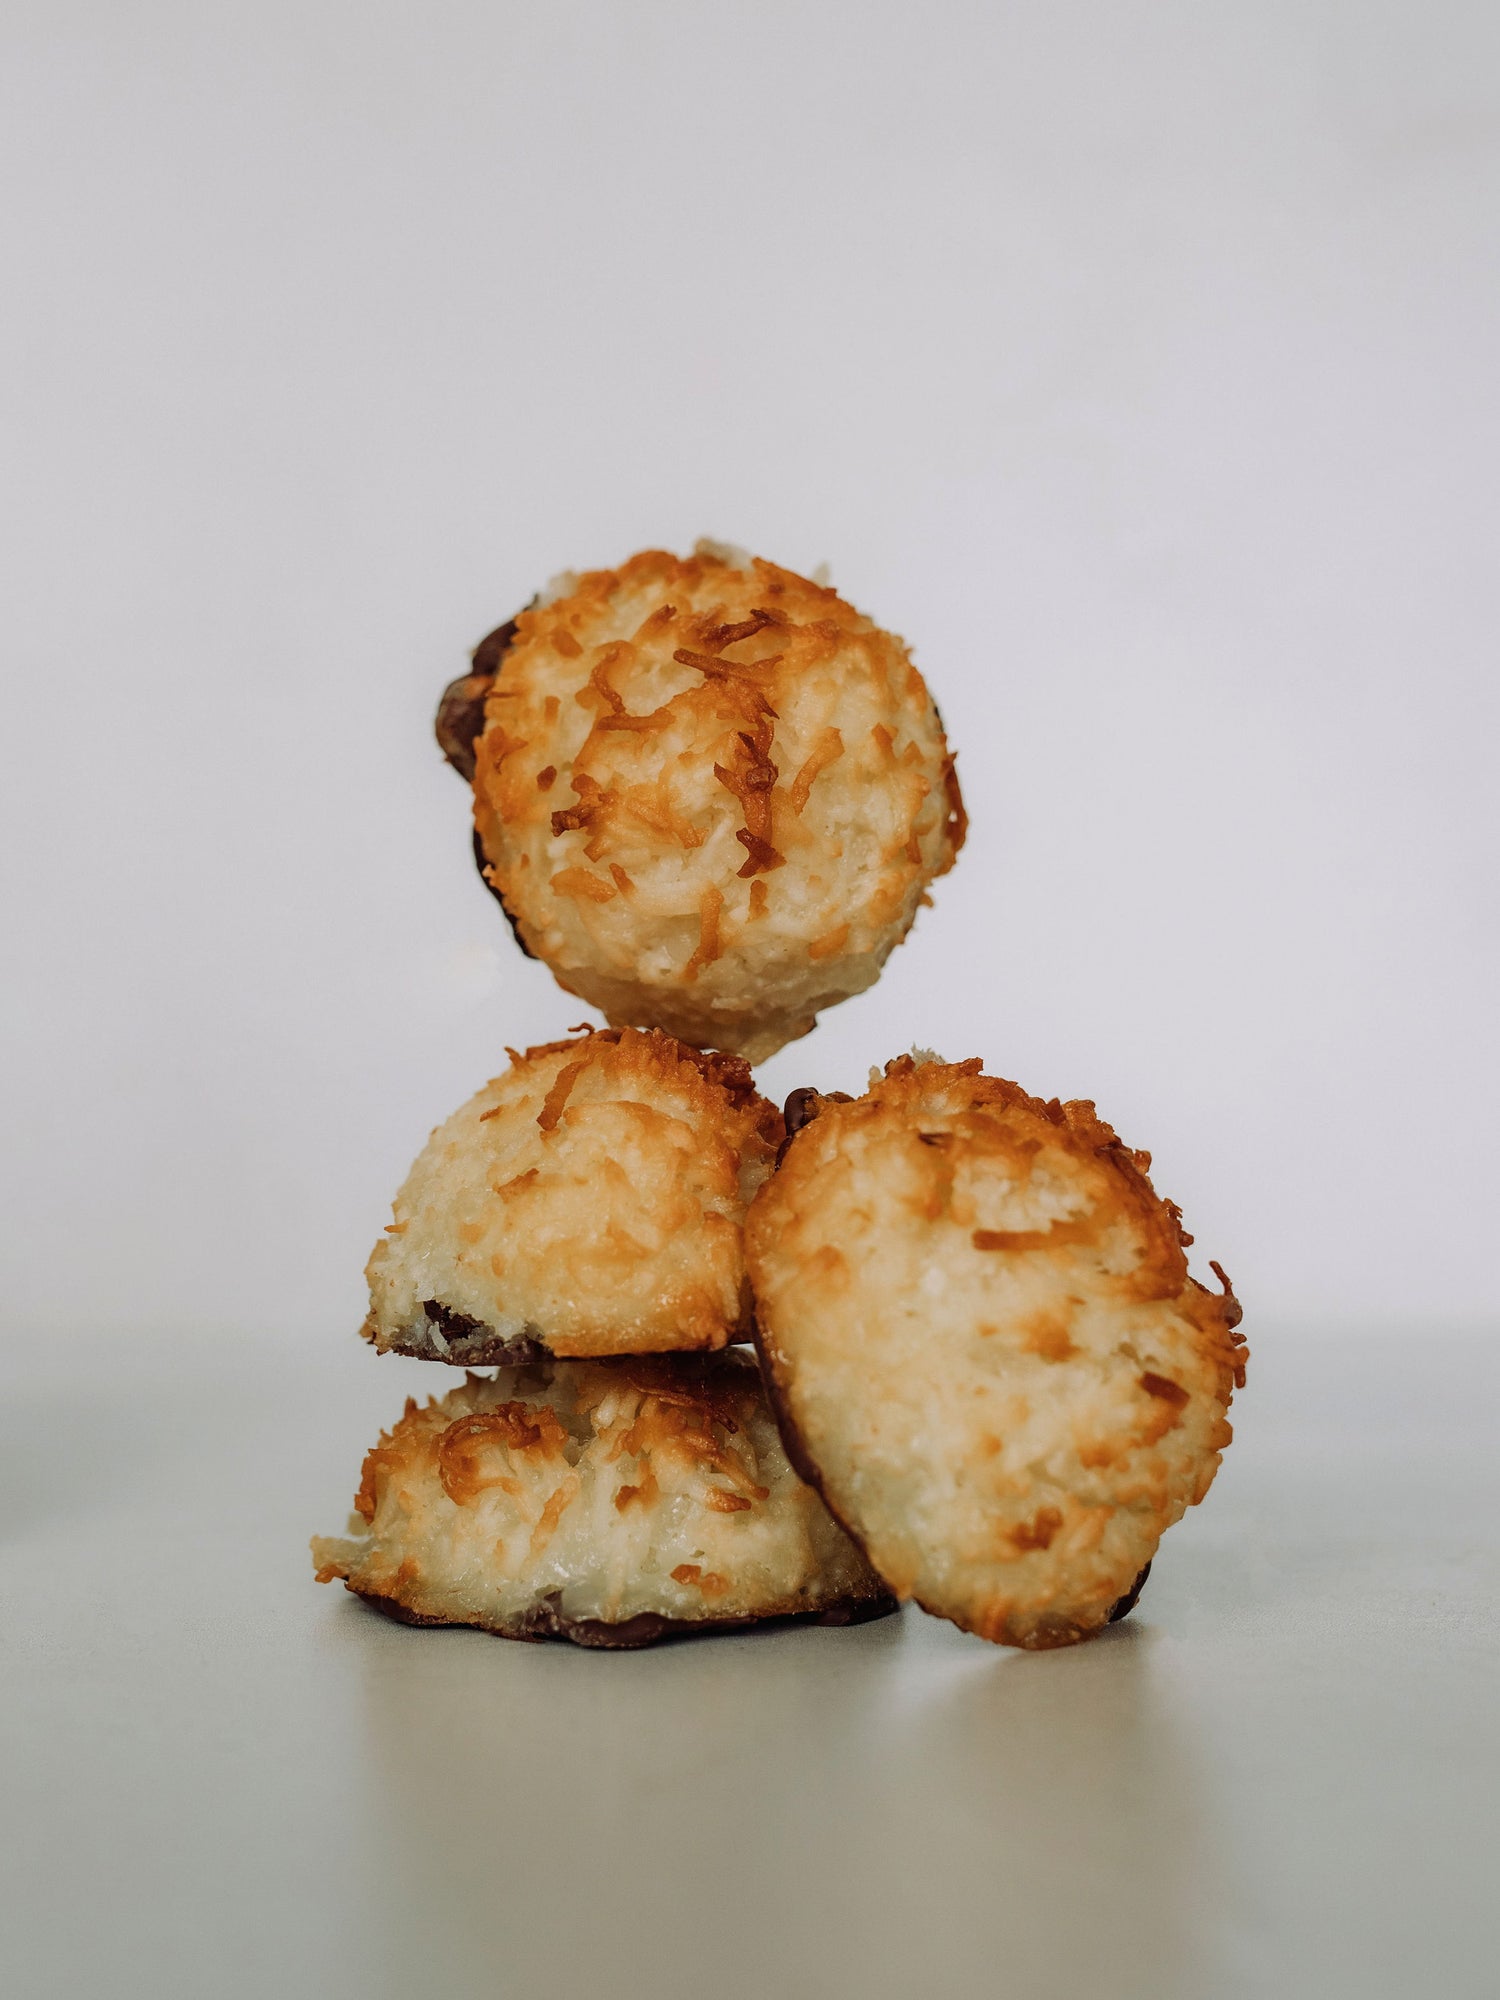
(983, 1346)
(589, 1201)
(711, 797)
(611, 1503)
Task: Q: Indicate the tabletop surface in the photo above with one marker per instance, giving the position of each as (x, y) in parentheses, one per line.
(1279, 1777)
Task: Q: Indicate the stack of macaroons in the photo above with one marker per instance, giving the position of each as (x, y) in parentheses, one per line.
(579, 1224)
(711, 797)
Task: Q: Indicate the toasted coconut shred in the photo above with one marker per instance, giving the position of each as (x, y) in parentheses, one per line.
(711, 795)
(608, 1502)
(984, 1345)
(589, 1201)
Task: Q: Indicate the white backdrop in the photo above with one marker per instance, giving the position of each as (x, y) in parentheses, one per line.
(1137, 361)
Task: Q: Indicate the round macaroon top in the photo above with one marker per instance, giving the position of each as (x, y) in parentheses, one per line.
(709, 793)
(985, 1347)
(588, 1201)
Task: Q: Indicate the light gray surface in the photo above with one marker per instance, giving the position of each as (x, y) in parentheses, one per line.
(1279, 1778)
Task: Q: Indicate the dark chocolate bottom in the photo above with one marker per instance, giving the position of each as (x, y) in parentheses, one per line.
(1132, 1597)
(481, 864)
(472, 1344)
(548, 1621)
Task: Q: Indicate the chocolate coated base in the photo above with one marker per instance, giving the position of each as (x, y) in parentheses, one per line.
(548, 1621)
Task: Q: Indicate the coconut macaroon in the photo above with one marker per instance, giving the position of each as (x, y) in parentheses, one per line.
(984, 1347)
(708, 793)
(611, 1502)
(588, 1201)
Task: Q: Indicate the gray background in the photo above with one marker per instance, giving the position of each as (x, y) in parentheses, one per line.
(1136, 362)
